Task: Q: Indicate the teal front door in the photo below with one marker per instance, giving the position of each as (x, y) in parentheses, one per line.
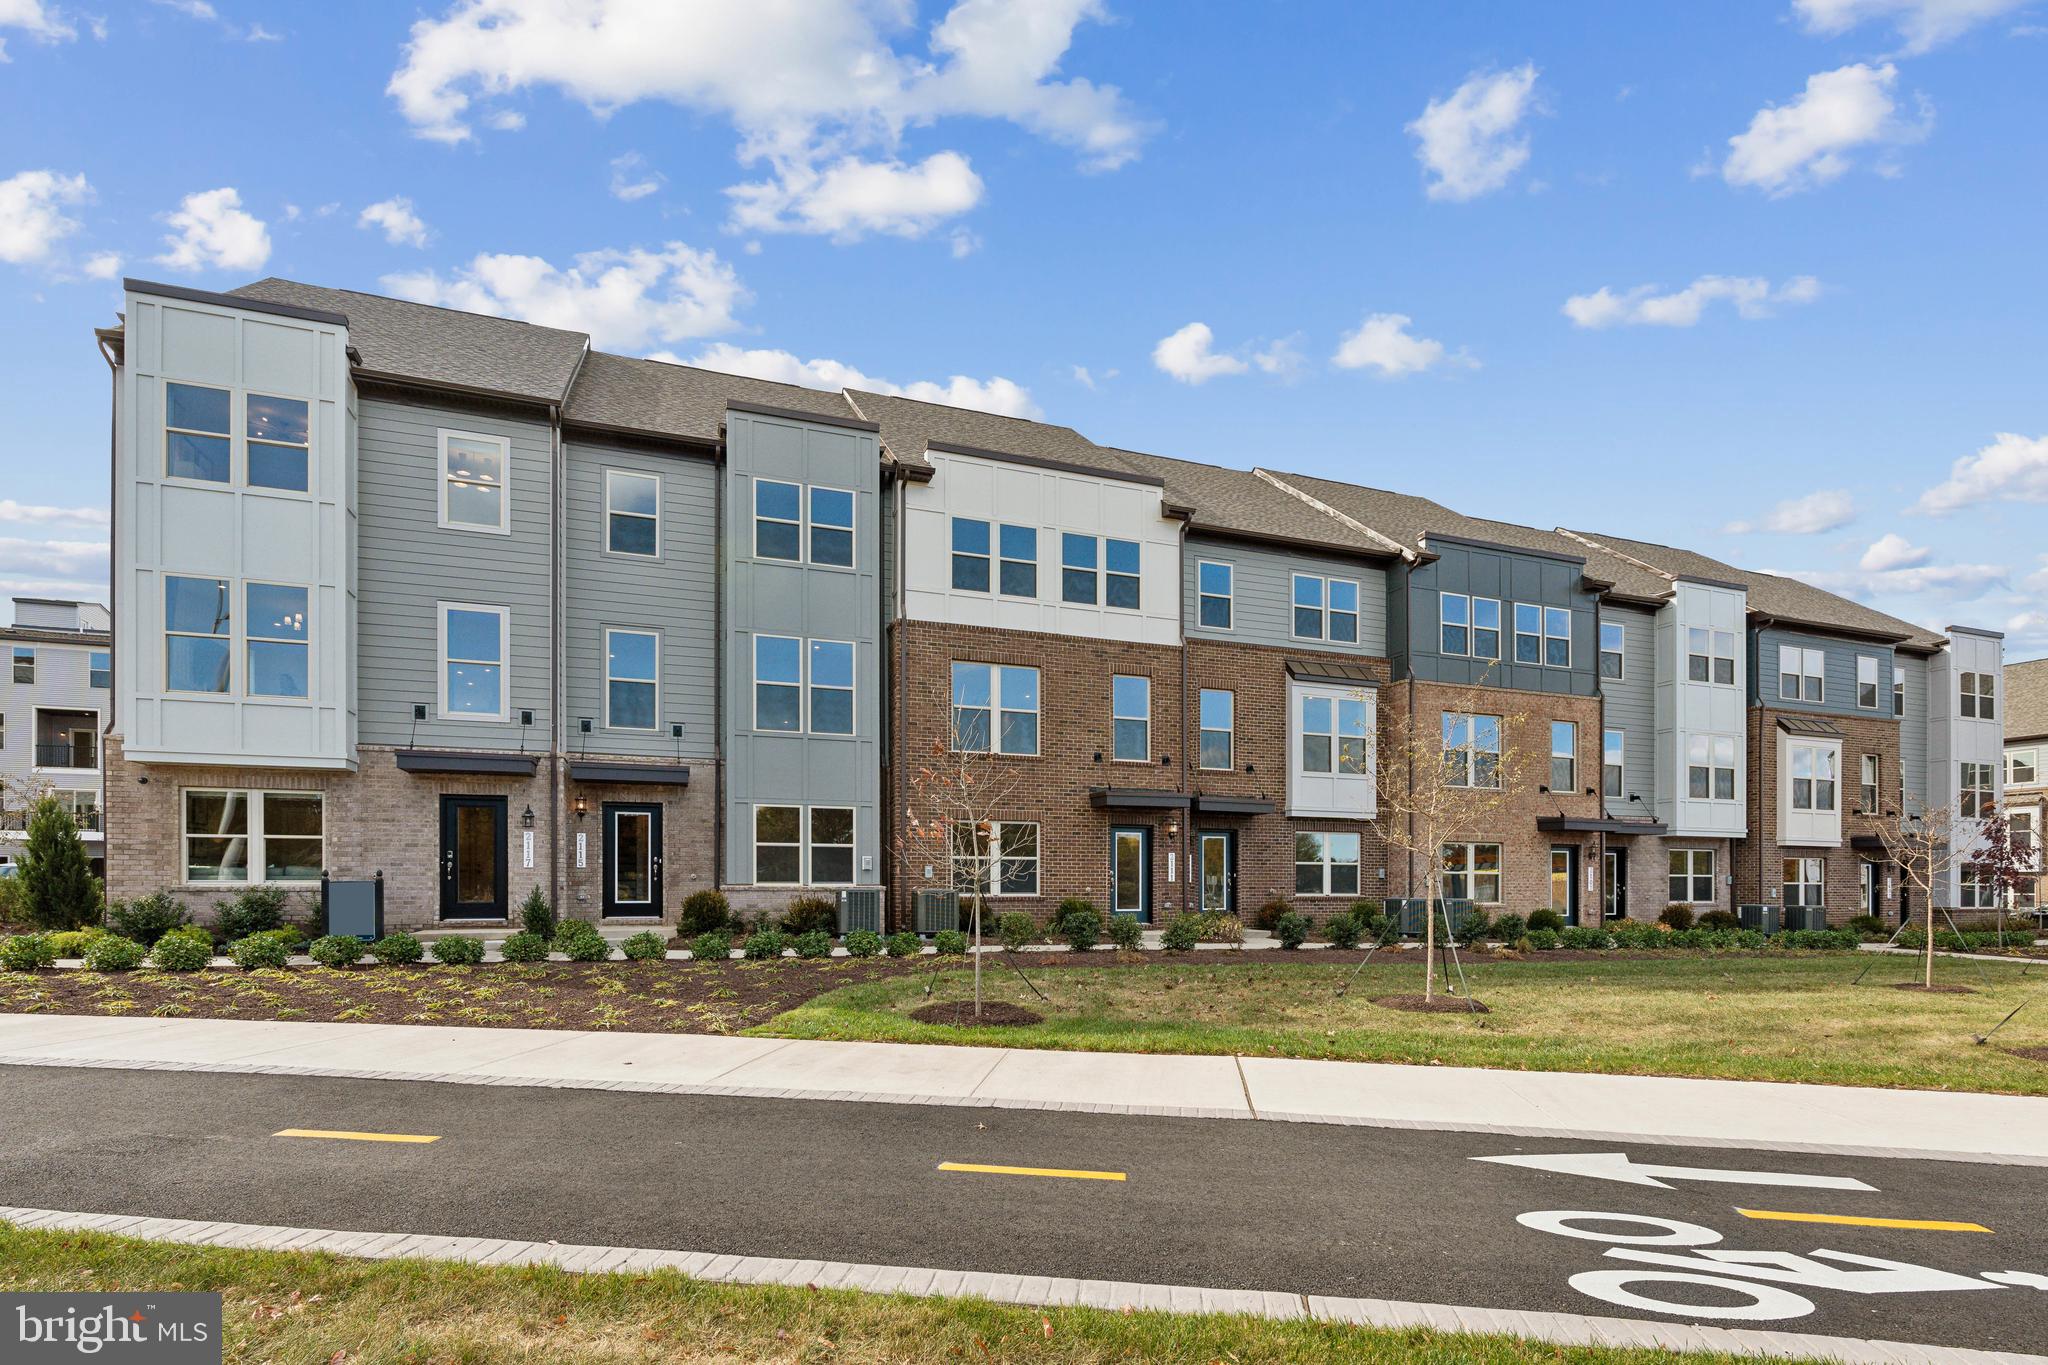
(1130, 871)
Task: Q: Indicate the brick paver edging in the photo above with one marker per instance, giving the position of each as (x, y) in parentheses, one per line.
(1568, 1329)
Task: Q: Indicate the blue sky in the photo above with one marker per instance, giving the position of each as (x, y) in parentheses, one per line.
(1763, 279)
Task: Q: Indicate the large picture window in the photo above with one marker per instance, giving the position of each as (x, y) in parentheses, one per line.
(1004, 864)
(1471, 747)
(197, 621)
(475, 482)
(260, 836)
(1218, 729)
(995, 709)
(277, 648)
(1325, 864)
(632, 513)
(473, 649)
(632, 679)
(196, 442)
(1692, 876)
(1471, 872)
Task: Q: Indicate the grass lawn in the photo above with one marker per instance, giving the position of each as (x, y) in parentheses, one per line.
(327, 1310)
(1775, 1017)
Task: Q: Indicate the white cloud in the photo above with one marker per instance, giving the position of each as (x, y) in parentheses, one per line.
(32, 220)
(212, 229)
(38, 20)
(1084, 378)
(997, 395)
(1383, 342)
(33, 514)
(2037, 581)
(1752, 297)
(626, 299)
(205, 13)
(103, 265)
(1921, 24)
(1283, 359)
(811, 86)
(1949, 582)
(852, 197)
(1188, 357)
(1893, 551)
(1467, 141)
(1810, 141)
(259, 34)
(71, 560)
(633, 178)
(1811, 515)
(2011, 469)
(506, 121)
(395, 216)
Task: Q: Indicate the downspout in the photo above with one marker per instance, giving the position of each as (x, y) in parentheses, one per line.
(721, 580)
(1408, 652)
(898, 697)
(557, 635)
(1756, 711)
(1189, 901)
(113, 623)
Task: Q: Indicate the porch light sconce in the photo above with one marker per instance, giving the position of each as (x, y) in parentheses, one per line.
(1098, 755)
(526, 818)
(582, 806)
(1172, 828)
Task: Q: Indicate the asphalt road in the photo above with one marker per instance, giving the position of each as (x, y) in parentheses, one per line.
(1297, 1208)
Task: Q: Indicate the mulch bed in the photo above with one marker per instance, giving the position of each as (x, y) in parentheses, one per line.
(1938, 988)
(1442, 1004)
(960, 1014)
(635, 997)
(2032, 1054)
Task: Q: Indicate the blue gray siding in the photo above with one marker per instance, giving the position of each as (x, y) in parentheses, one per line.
(1841, 673)
(407, 564)
(1629, 704)
(1511, 577)
(1263, 587)
(675, 595)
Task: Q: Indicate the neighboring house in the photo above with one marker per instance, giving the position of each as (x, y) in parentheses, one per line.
(2026, 772)
(54, 702)
(469, 603)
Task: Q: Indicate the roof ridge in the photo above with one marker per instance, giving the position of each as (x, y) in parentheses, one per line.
(1606, 549)
(1342, 518)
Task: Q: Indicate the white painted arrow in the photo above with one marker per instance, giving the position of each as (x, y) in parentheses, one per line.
(1617, 1166)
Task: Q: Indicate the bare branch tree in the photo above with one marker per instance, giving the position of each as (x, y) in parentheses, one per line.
(1932, 845)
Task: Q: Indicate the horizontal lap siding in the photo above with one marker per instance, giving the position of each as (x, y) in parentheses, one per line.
(1630, 706)
(1263, 586)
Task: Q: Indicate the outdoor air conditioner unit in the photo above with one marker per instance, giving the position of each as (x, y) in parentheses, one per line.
(1805, 917)
(860, 907)
(1407, 915)
(934, 911)
(1763, 918)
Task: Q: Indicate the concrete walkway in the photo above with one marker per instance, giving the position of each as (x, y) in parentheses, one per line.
(1839, 1119)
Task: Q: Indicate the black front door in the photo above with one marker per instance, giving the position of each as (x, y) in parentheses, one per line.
(632, 859)
(472, 857)
(1615, 885)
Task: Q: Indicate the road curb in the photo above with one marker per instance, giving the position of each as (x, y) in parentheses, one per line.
(1567, 1329)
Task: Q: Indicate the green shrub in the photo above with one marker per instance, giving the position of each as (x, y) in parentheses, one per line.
(645, 946)
(863, 943)
(1377, 927)
(810, 915)
(1472, 927)
(1546, 918)
(537, 914)
(1016, 929)
(181, 953)
(291, 936)
(1126, 932)
(1818, 940)
(1867, 926)
(57, 886)
(112, 953)
(713, 945)
(1268, 916)
(764, 944)
(338, 950)
(458, 950)
(1510, 927)
(397, 950)
(13, 904)
(1542, 940)
(704, 912)
(1343, 931)
(1718, 919)
(1080, 926)
(949, 943)
(579, 941)
(1677, 916)
(254, 911)
(1584, 936)
(1182, 933)
(524, 947)
(26, 952)
(1291, 929)
(1630, 933)
(815, 944)
(258, 950)
(148, 919)
(902, 944)
(73, 942)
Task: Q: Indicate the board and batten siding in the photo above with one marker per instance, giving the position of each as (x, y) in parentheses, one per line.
(1629, 704)
(674, 594)
(408, 564)
(1262, 586)
(1840, 672)
(1509, 576)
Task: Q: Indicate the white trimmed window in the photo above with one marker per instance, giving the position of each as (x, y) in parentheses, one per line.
(1870, 774)
(1974, 888)
(1805, 882)
(1866, 682)
(832, 527)
(1692, 876)
(1218, 730)
(1006, 865)
(971, 556)
(778, 845)
(632, 679)
(1978, 699)
(1471, 872)
(1564, 756)
(1471, 746)
(778, 520)
(779, 683)
(1557, 637)
(1130, 714)
(1325, 863)
(1710, 656)
(831, 845)
(1898, 694)
(474, 644)
(1813, 776)
(1454, 620)
(198, 621)
(100, 669)
(1613, 743)
(1976, 800)
(476, 480)
(2021, 767)
(278, 654)
(1080, 567)
(1017, 571)
(1802, 674)
(632, 513)
(262, 836)
(279, 448)
(1710, 767)
(196, 443)
(1613, 639)
(24, 664)
(831, 687)
(1120, 579)
(1216, 589)
(1528, 633)
(1326, 609)
(1486, 628)
(995, 709)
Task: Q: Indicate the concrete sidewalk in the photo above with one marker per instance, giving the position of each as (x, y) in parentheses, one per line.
(1752, 1114)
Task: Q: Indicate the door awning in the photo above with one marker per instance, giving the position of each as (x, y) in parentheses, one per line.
(1338, 671)
(1571, 824)
(1137, 798)
(1867, 843)
(645, 774)
(1810, 725)
(1206, 804)
(451, 761)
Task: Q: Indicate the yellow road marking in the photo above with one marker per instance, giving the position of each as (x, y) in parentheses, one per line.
(353, 1137)
(1030, 1170)
(1919, 1224)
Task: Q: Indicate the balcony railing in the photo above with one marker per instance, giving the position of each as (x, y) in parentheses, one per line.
(66, 755)
(15, 821)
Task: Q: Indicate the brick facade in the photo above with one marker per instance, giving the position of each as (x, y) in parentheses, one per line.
(1759, 859)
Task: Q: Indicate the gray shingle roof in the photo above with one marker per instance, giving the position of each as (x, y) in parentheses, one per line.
(909, 425)
(1775, 595)
(2026, 700)
(1239, 501)
(679, 400)
(432, 345)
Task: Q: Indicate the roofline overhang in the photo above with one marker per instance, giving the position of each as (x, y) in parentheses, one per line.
(1706, 582)
(1474, 542)
(799, 415)
(1977, 631)
(1824, 628)
(387, 379)
(187, 294)
(1292, 542)
(705, 444)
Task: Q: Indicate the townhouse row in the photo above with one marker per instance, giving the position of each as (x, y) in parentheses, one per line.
(466, 602)
(55, 697)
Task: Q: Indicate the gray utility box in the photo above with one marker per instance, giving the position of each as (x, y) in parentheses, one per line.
(1805, 917)
(934, 911)
(860, 907)
(355, 908)
(1763, 918)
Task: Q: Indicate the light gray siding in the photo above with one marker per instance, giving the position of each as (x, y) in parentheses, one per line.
(1840, 673)
(63, 676)
(810, 603)
(674, 595)
(1263, 587)
(1629, 704)
(1913, 729)
(408, 564)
